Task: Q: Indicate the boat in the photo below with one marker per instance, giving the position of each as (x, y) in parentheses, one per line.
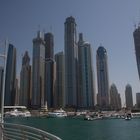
(17, 113)
(128, 117)
(88, 118)
(57, 113)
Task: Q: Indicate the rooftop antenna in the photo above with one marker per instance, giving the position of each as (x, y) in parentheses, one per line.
(6, 45)
(135, 26)
(39, 32)
(44, 31)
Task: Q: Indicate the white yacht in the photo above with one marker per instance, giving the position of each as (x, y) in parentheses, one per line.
(16, 113)
(58, 113)
(13, 113)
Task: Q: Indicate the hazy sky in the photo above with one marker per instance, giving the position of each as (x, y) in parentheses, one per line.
(106, 22)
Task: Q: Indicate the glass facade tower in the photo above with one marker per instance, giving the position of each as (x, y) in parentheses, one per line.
(71, 60)
(10, 80)
(136, 35)
(50, 70)
(1, 81)
(25, 81)
(60, 96)
(128, 97)
(102, 78)
(38, 72)
(49, 45)
(115, 100)
(86, 78)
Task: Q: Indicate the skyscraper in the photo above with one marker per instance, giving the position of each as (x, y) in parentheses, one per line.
(86, 79)
(50, 77)
(119, 101)
(102, 78)
(115, 100)
(17, 92)
(136, 35)
(71, 60)
(1, 82)
(38, 71)
(10, 85)
(138, 100)
(128, 96)
(50, 70)
(25, 81)
(49, 45)
(60, 96)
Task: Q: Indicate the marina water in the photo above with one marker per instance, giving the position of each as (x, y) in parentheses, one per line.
(79, 129)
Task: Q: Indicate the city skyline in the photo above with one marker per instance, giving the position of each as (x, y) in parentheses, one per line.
(115, 33)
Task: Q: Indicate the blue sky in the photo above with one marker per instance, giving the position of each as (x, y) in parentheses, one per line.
(106, 22)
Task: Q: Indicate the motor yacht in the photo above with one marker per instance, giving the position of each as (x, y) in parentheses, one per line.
(57, 113)
(17, 113)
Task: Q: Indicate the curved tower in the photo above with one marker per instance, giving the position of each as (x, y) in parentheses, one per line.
(10, 79)
(115, 100)
(136, 35)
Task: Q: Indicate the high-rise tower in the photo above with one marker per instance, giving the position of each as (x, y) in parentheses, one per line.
(71, 58)
(102, 77)
(138, 99)
(49, 45)
(60, 96)
(136, 35)
(86, 75)
(17, 93)
(25, 81)
(1, 82)
(10, 79)
(50, 70)
(128, 96)
(50, 77)
(115, 100)
(38, 71)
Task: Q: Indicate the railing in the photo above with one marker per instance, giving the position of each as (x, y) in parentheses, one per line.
(11, 131)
